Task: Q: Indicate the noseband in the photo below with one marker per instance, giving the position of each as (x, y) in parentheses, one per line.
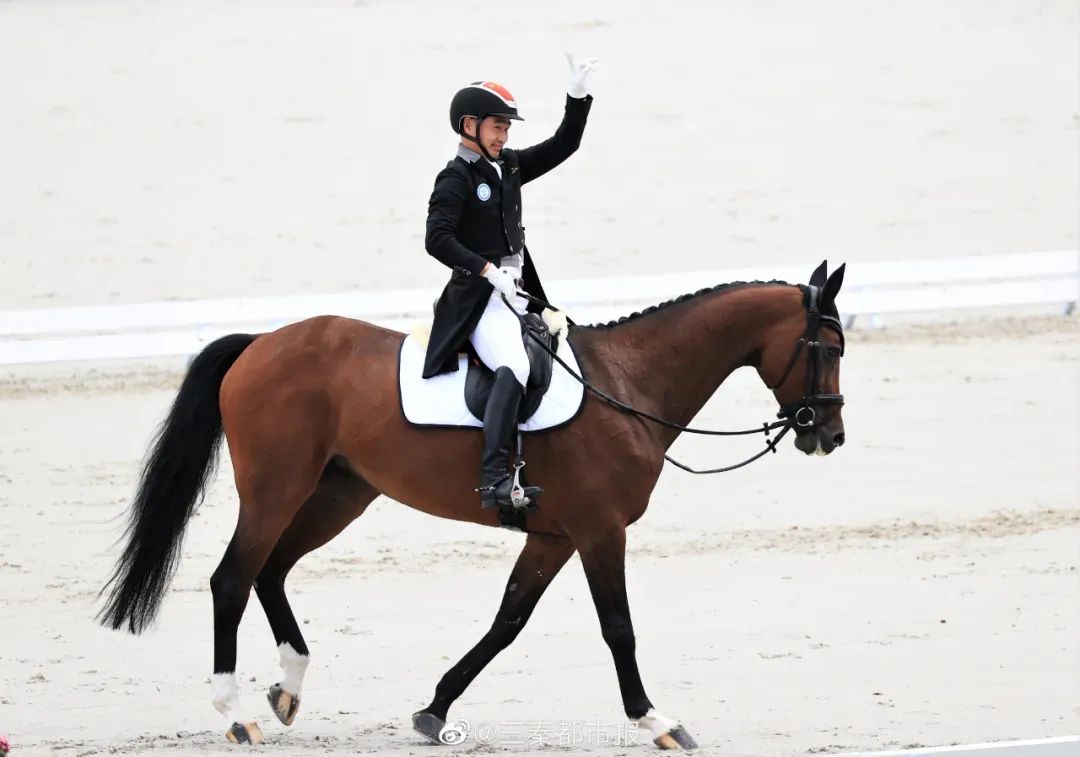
(801, 412)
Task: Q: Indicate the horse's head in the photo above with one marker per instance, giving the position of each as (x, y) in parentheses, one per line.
(800, 362)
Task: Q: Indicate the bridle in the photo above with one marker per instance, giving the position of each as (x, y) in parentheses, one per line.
(800, 413)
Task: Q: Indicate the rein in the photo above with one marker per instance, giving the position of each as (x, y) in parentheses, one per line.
(791, 415)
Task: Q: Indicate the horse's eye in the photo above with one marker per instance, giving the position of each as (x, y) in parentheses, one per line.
(833, 352)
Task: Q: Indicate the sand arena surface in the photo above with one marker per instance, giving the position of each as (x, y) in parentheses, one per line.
(919, 586)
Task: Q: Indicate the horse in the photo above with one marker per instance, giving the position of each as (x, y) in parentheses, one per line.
(312, 417)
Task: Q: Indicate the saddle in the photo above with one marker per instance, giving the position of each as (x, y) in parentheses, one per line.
(479, 379)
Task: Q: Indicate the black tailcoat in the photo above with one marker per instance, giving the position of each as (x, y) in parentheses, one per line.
(475, 218)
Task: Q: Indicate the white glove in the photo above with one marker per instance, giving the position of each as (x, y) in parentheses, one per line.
(503, 281)
(579, 75)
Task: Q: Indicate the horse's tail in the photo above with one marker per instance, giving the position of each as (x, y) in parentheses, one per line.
(182, 459)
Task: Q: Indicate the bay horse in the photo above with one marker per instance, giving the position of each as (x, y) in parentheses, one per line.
(313, 421)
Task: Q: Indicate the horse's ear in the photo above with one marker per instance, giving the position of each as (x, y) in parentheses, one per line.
(832, 286)
(817, 278)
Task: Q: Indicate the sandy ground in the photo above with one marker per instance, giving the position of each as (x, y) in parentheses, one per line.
(918, 587)
(198, 149)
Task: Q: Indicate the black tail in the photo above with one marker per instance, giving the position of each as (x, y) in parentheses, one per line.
(183, 457)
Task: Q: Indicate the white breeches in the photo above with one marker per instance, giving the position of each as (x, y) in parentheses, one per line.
(497, 338)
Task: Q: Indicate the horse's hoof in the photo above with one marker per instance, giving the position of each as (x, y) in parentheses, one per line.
(435, 729)
(244, 733)
(677, 738)
(283, 703)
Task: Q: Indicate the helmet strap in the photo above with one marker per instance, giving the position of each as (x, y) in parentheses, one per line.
(476, 140)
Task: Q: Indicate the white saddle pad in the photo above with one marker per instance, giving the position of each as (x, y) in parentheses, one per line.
(440, 400)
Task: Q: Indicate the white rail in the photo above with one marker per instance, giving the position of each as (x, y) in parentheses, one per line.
(871, 289)
(1065, 746)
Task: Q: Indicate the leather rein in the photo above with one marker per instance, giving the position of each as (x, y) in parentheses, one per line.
(800, 413)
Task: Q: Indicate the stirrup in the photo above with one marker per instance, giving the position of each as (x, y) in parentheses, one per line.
(523, 496)
(509, 492)
(526, 498)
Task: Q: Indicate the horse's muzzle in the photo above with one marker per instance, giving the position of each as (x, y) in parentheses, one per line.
(820, 440)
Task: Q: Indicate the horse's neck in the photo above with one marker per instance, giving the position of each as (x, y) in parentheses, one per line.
(672, 361)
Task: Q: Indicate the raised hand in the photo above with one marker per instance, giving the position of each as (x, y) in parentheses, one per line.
(579, 75)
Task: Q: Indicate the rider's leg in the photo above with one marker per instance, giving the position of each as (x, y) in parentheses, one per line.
(498, 343)
(497, 338)
(500, 420)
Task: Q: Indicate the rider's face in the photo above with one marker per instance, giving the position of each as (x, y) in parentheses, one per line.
(494, 133)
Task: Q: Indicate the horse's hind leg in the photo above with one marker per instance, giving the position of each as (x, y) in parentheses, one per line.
(539, 562)
(270, 495)
(341, 497)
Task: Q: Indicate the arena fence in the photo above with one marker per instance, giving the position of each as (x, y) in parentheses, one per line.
(872, 292)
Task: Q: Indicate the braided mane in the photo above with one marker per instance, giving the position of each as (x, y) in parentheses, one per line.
(681, 299)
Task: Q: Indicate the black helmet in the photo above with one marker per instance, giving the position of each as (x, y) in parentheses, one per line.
(481, 99)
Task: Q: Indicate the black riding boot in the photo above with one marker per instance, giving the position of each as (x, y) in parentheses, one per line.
(500, 424)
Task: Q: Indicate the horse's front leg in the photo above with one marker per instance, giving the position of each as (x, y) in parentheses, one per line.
(604, 561)
(539, 562)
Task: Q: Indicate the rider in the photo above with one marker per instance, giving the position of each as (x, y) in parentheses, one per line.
(474, 227)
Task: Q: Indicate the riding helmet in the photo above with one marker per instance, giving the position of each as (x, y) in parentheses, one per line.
(480, 100)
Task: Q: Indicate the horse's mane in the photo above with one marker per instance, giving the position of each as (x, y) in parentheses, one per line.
(683, 298)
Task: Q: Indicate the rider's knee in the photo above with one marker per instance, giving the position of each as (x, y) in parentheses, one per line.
(521, 370)
(519, 367)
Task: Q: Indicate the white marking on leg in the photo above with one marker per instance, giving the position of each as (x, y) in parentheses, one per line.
(295, 665)
(225, 697)
(657, 723)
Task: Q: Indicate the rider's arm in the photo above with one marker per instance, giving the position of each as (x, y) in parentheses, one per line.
(445, 208)
(537, 160)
